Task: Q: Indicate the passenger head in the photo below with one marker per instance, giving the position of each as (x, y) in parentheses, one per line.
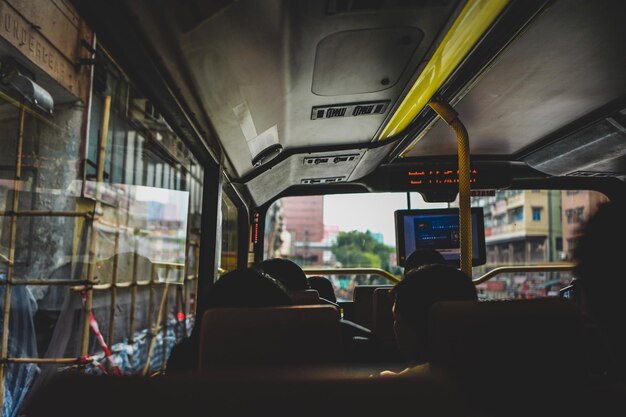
(323, 286)
(423, 256)
(247, 288)
(286, 272)
(413, 298)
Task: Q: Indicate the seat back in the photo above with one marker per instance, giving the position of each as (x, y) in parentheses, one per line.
(382, 326)
(294, 336)
(363, 306)
(508, 348)
(304, 297)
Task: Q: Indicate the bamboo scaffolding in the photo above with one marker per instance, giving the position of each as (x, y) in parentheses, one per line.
(78, 283)
(166, 293)
(104, 130)
(44, 213)
(133, 303)
(113, 287)
(11, 258)
(153, 332)
(44, 360)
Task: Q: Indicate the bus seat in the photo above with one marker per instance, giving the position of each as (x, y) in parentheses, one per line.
(382, 326)
(363, 306)
(508, 349)
(294, 336)
(304, 297)
(242, 393)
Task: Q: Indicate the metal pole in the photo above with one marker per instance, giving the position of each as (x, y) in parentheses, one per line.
(10, 267)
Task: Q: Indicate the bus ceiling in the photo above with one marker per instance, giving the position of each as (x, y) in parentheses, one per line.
(316, 93)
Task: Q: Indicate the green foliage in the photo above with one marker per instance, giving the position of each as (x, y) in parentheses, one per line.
(357, 249)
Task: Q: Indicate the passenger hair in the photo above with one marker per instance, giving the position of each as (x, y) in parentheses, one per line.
(323, 286)
(422, 256)
(247, 288)
(287, 272)
(426, 285)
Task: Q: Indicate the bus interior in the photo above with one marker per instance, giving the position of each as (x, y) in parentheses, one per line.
(152, 146)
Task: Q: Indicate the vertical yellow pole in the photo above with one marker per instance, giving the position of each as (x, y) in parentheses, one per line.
(11, 261)
(447, 113)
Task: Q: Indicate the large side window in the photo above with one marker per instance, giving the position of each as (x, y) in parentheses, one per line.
(99, 235)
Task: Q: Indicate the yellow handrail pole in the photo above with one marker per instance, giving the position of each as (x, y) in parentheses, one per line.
(473, 21)
(447, 113)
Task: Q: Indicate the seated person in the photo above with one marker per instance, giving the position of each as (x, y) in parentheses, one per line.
(413, 297)
(239, 288)
(422, 256)
(324, 287)
(292, 276)
(286, 272)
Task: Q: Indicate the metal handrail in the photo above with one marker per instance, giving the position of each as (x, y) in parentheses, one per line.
(353, 271)
(551, 267)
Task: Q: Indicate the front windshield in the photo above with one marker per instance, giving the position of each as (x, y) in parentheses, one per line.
(522, 227)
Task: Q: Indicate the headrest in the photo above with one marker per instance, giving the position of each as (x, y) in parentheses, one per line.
(294, 336)
(507, 341)
(304, 297)
(363, 297)
(382, 326)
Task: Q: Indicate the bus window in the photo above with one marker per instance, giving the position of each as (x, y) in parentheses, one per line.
(522, 227)
(109, 222)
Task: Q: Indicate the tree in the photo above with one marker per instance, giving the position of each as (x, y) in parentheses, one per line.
(358, 249)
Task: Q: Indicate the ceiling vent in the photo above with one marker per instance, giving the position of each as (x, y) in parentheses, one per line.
(322, 180)
(349, 110)
(329, 159)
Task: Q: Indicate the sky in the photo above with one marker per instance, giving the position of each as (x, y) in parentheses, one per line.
(374, 212)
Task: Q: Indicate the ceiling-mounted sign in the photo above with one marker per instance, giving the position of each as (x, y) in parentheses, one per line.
(51, 38)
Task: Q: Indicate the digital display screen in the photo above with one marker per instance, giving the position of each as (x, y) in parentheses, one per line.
(437, 177)
(438, 229)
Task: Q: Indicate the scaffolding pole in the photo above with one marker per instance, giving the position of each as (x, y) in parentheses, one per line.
(154, 330)
(104, 130)
(11, 258)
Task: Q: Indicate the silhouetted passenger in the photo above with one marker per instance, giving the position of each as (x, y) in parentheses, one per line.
(413, 298)
(600, 272)
(293, 277)
(323, 286)
(285, 271)
(422, 256)
(239, 288)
